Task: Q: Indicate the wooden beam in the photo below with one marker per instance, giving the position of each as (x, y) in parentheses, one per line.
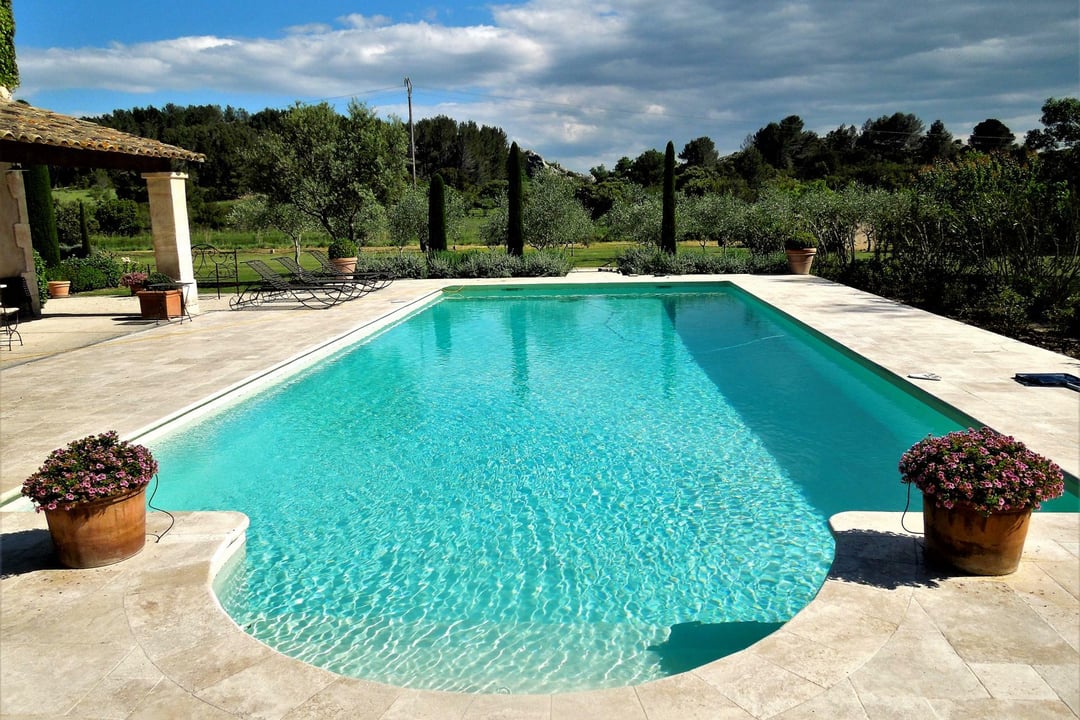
(39, 154)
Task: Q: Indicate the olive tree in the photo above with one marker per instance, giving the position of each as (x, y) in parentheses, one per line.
(553, 216)
(337, 170)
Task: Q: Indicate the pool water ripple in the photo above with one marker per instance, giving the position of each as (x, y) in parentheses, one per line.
(542, 496)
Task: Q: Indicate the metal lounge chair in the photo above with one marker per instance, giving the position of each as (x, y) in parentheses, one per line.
(354, 288)
(377, 280)
(273, 287)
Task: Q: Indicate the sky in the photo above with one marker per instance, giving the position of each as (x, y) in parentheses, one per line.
(581, 82)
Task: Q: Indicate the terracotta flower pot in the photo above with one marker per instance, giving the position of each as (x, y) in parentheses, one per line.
(101, 532)
(59, 288)
(979, 545)
(345, 265)
(799, 261)
(159, 304)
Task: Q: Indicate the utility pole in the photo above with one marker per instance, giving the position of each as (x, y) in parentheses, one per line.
(412, 139)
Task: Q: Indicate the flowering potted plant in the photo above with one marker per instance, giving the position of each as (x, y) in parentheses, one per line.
(979, 488)
(134, 280)
(92, 492)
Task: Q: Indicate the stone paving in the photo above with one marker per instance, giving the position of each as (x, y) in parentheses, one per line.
(886, 637)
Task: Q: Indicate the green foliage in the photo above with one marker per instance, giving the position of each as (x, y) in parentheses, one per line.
(472, 264)
(84, 231)
(667, 225)
(99, 270)
(341, 249)
(553, 216)
(39, 206)
(644, 260)
(515, 231)
(636, 218)
(118, 217)
(42, 278)
(338, 171)
(9, 68)
(437, 214)
(157, 278)
(543, 263)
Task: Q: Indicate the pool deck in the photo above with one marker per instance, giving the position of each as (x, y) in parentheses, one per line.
(886, 637)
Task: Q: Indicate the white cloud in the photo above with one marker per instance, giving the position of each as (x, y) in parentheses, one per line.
(583, 81)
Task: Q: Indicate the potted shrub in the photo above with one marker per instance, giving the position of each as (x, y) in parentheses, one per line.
(134, 281)
(93, 494)
(58, 284)
(801, 248)
(159, 304)
(343, 254)
(979, 488)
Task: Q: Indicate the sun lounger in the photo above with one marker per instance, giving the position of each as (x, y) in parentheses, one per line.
(377, 280)
(1048, 380)
(274, 287)
(354, 288)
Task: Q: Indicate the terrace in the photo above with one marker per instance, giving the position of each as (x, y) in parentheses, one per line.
(886, 636)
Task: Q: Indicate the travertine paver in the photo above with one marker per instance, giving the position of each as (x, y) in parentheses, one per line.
(886, 636)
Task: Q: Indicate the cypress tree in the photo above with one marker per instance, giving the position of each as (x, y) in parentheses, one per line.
(84, 231)
(515, 227)
(39, 206)
(437, 214)
(667, 225)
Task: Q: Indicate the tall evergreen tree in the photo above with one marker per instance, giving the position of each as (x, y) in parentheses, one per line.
(667, 224)
(40, 208)
(437, 214)
(84, 230)
(515, 232)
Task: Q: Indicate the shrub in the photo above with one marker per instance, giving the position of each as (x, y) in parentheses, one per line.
(118, 217)
(768, 264)
(100, 270)
(486, 265)
(396, 265)
(543, 263)
(42, 278)
(341, 249)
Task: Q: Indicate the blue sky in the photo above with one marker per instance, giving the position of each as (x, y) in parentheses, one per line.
(582, 82)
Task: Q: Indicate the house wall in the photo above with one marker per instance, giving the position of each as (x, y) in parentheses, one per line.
(16, 250)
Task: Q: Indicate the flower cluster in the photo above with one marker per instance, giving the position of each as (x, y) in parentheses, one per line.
(95, 467)
(133, 278)
(982, 470)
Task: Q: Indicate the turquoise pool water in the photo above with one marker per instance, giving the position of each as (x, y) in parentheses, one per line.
(547, 489)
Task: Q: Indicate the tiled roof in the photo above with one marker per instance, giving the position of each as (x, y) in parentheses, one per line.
(27, 124)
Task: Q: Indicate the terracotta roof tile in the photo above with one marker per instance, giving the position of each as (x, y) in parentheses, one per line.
(28, 124)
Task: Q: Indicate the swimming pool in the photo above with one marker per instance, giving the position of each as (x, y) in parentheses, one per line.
(548, 488)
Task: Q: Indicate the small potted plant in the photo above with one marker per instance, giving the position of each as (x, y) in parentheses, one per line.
(134, 280)
(93, 494)
(58, 284)
(801, 247)
(159, 304)
(343, 255)
(979, 488)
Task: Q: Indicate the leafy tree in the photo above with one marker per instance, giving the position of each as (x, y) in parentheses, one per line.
(515, 239)
(337, 170)
(9, 68)
(1061, 120)
(84, 230)
(437, 214)
(700, 152)
(893, 138)
(118, 217)
(39, 207)
(667, 223)
(647, 170)
(554, 217)
(408, 218)
(636, 218)
(254, 213)
(937, 144)
(991, 135)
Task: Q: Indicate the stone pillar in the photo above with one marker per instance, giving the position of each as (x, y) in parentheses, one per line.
(16, 247)
(172, 236)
